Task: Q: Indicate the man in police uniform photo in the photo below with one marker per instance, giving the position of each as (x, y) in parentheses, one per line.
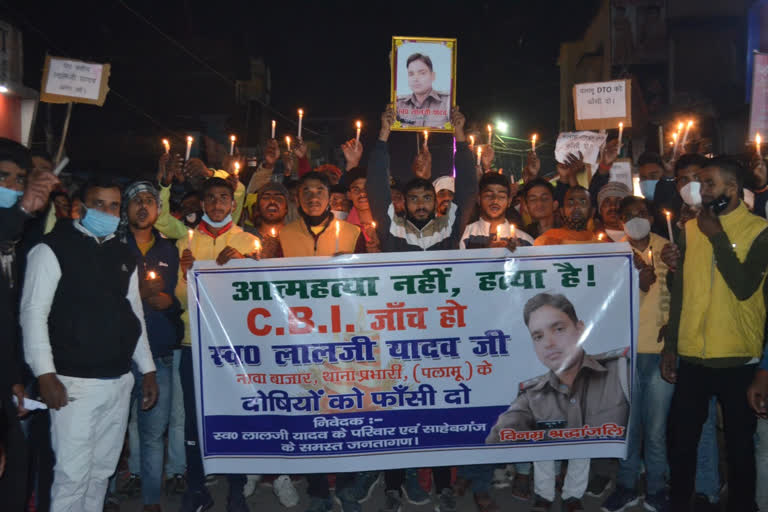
(424, 106)
(578, 390)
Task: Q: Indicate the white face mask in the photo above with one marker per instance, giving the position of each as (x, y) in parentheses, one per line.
(637, 228)
(340, 214)
(691, 193)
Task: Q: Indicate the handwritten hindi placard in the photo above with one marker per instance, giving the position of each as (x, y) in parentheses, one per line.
(378, 361)
(74, 81)
(602, 105)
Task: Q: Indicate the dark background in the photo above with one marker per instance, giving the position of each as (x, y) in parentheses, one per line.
(175, 63)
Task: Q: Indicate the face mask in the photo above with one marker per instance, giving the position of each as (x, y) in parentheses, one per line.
(9, 197)
(691, 193)
(340, 214)
(98, 223)
(637, 228)
(217, 225)
(648, 188)
(615, 234)
(720, 204)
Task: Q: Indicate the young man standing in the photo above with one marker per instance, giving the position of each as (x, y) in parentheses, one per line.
(576, 211)
(83, 322)
(215, 238)
(539, 197)
(608, 201)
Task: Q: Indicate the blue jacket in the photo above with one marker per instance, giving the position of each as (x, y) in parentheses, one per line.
(164, 328)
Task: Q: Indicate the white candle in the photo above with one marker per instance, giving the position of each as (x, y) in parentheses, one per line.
(167, 146)
(301, 118)
(758, 141)
(338, 230)
(533, 142)
(498, 232)
(511, 231)
(674, 145)
(232, 140)
(471, 140)
(288, 141)
(359, 126)
(189, 146)
(479, 153)
(621, 133)
(426, 138)
(668, 214)
(257, 248)
(685, 135)
(650, 256)
(490, 134)
(274, 125)
(190, 234)
(661, 140)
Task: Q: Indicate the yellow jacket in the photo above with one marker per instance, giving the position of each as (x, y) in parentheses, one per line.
(714, 321)
(207, 247)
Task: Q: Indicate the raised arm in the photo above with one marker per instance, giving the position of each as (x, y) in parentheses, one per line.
(380, 196)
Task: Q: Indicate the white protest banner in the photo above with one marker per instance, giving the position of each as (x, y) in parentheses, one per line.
(602, 105)
(621, 171)
(74, 81)
(404, 360)
(758, 111)
(586, 143)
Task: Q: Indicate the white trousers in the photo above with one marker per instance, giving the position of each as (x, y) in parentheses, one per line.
(574, 486)
(87, 436)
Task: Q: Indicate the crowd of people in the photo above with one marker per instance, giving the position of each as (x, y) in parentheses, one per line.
(94, 296)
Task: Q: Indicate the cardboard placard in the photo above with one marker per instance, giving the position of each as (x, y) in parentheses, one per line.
(74, 81)
(602, 105)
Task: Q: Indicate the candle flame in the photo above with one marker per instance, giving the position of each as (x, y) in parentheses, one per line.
(359, 125)
(232, 138)
(165, 142)
(301, 113)
(472, 140)
(373, 223)
(690, 123)
(674, 136)
(680, 126)
(190, 234)
(152, 274)
(667, 213)
(189, 139)
(498, 232)
(288, 140)
(758, 140)
(490, 128)
(600, 237)
(273, 232)
(237, 168)
(274, 123)
(512, 230)
(257, 245)
(621, 126)
(534, 137)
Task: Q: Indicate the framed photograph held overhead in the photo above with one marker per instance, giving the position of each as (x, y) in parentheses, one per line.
(423, 84)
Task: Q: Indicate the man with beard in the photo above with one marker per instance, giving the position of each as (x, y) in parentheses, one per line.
(608, 203)
(158, 264)
(576, 212)
(445, 188)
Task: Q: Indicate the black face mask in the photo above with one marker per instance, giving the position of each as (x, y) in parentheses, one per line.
(719, 205)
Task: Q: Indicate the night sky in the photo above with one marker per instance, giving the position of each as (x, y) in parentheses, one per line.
(331, 58)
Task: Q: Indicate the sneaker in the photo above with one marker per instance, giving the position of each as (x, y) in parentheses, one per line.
(521, 487)
(251, 481)
(541, 505)
(196, 501)
(131, 487)
(572, 505)
(392, 502)
(412, 490)
(361, 488)
(620, 500)
(176, 484)
(502, 478)
(446, 501)
(236, 503)
(320, 505)
(598, 485)
(658, 502)
(285, 491)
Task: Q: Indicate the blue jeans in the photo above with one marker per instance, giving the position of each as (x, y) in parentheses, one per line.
(651, 397)
(152, 425)
(708, 458)
(176, 463)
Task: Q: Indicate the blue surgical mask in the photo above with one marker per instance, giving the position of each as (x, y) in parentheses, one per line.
(648, 188)
(219, 224)
(98, 223)
(9, 197)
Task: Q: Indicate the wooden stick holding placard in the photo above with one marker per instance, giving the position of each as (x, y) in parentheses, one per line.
(64, 132)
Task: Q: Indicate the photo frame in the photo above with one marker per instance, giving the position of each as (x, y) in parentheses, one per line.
(423, 83)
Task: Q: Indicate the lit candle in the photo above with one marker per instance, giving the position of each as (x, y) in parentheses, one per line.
(685, 135)
(674, 145)
(274, 125)
(490, 134)
(373, 224)
(338, 230)
(151, 275)
(479, 153)
(190, 234)
(533, 142)
(498, 232)
(758, 141)
(273, 233)
(511, 231)
(650, 256)
(167, 146)
(288, 142)
(237, 168)
(359, 126)
(232, 140)
(471, 140)
(301, 117)
(189, 146)
(668, 214)
(257, 248)
(426, 138)
(600, 237)
(621, 133)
